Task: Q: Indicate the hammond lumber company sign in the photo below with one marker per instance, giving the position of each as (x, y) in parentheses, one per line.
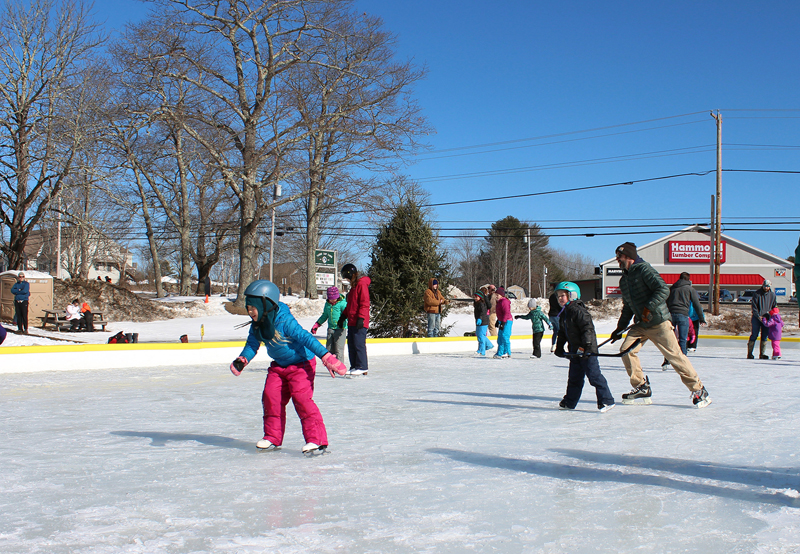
(692, 251)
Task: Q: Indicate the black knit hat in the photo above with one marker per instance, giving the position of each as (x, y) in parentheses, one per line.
(627, 249)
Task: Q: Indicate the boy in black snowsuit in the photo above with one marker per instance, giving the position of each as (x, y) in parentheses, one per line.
(577, 329)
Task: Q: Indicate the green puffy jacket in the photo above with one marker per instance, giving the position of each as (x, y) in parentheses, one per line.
(537, 318)
(332, 312)
(642, 287)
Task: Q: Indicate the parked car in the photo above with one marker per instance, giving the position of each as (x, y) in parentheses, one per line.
(724, 296)
(746, 296)
(792, 300)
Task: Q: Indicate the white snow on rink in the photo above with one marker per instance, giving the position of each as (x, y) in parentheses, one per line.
(437, 453)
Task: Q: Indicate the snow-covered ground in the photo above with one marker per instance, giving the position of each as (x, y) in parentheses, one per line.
(428, 453)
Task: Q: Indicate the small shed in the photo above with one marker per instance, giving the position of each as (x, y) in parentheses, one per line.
(517, 291)
(41, 294)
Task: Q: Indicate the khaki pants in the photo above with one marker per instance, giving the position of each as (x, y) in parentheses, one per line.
(492, 325)
(663, 337)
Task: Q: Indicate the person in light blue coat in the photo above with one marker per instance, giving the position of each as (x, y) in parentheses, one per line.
(291, 374)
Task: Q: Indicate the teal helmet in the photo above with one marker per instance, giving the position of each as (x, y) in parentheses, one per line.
(573, 290)
(264, 295)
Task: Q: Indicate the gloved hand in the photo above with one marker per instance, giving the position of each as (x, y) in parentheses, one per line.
(333, 365)
(314, 328)
(616, 335)
(517, 316)
(501, 324)
(559, 352)
(237, 365)
(341, 322)
(479, 322)
(646, 315)
(581, 352)
(359, 323)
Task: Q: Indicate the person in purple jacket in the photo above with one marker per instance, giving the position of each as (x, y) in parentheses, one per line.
(291, 373)
(774, 325)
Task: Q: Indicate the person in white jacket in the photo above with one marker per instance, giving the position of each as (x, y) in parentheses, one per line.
(74, 314)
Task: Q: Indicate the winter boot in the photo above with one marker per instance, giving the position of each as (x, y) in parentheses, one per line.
(762, 351)
(640, 394)
(750, 345)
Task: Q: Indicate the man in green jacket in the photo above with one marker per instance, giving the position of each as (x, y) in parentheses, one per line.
(644, 298)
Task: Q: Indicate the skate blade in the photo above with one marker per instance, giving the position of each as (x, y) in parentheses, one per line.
(637, 401)
(704, 403)
(316, 452)
(272, 448)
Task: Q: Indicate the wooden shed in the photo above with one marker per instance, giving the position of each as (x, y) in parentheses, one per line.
(41, 294)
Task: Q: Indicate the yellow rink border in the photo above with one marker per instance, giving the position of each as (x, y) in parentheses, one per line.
(63, 348)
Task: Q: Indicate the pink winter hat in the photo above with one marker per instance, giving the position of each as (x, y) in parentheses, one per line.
(774, 311)
(333, 293)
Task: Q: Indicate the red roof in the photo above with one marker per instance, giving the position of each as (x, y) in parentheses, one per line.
(741, 279)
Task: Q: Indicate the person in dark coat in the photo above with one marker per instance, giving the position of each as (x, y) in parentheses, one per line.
(22, 293)
(552, 313)
(577, 330)
(763, 301)
(681, 296)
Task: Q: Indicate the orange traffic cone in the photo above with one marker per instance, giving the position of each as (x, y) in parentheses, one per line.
(206, 299)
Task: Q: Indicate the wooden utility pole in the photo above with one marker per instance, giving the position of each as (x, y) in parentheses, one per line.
(717, 250)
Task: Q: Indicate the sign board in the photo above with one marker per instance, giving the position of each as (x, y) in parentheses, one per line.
(613, 291)
(780, 291)
(325, 280)
(613, 271)
(780, 272)
(325, 257)
(692, 251)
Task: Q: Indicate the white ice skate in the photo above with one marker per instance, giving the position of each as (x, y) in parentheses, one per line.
(265, 446)
(311, 449)
(604, 408)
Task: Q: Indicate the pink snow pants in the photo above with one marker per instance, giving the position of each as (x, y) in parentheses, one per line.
(295, 382)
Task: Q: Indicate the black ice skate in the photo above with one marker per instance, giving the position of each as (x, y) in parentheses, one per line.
(700, 398)
(639, 395)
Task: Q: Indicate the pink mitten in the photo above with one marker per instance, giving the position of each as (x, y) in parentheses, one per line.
(314, 328)
(333, 365)
(237, 365)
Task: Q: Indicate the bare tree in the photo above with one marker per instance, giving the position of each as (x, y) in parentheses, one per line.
(44, 50)
(354, 102)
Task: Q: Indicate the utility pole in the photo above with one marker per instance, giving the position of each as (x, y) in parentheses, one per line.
(276, 194)
(711, 255)
(528, 240)
(505, 278)
(718, 119)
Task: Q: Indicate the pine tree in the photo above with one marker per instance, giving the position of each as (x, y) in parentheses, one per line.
(405, 257)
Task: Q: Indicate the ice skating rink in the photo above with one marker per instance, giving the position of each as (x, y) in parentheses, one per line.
(436, 453)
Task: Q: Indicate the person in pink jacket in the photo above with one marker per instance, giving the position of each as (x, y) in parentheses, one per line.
(774, 325)
(504, 321)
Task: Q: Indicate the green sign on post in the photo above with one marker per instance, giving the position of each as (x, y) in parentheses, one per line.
(325, 257)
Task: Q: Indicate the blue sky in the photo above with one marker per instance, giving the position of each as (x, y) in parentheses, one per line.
(503, 75)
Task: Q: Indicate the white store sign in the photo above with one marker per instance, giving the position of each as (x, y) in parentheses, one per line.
(326, 279)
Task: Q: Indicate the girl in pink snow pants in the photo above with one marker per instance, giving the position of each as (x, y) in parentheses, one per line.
(291, 374)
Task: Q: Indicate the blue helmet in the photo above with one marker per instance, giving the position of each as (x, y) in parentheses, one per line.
(264, 295)
(573, 290)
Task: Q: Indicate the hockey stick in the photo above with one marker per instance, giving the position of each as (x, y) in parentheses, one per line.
(611, 338)
(617, 355)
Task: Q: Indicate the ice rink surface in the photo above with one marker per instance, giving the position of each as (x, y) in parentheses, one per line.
(437, 453)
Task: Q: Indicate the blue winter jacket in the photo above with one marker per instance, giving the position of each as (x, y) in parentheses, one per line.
(21, 291)
(295, 345)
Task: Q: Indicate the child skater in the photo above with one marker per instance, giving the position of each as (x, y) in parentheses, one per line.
(504, 321)
(774, 326)
(577, 329)
(291, 373)
(482, 323)
(331, 313)
(538, 319)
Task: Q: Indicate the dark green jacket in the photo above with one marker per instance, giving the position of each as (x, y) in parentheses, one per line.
(642, 287)
(537, 318)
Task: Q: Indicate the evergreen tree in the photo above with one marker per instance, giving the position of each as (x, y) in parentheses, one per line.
(406, 255)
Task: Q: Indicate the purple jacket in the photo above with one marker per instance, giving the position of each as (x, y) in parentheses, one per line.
(774, 326)
(503, 309)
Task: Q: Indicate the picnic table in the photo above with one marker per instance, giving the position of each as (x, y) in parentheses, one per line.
(58, 319)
